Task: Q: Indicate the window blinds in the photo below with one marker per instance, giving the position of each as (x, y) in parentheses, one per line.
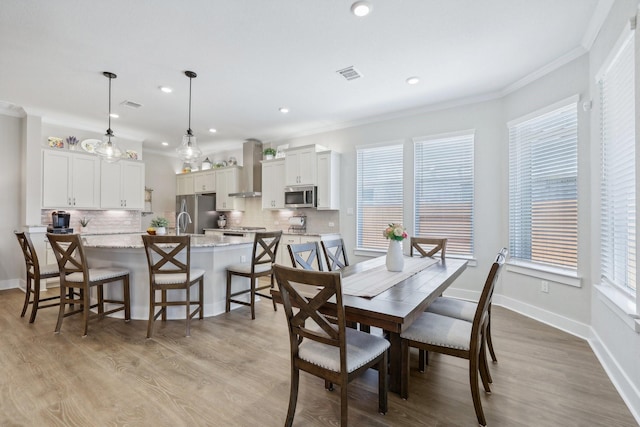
(444, 191)
(618, 191)
(543, 169)
(379, 193)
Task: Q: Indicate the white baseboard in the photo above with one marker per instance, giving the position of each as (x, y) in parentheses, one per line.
(11, 284)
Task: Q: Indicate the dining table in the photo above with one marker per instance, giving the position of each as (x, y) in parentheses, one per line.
(392, 301)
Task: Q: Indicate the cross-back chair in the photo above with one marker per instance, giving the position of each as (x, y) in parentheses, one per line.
(324, 346)
(305, 256)
(75, 273)
(428, 246)
(455, 337)
(335, 254)
(169, 263)
(265, 247)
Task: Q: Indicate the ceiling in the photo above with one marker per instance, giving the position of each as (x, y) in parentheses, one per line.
(254, 56)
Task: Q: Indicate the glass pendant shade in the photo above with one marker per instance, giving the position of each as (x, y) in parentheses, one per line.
(108, 149)
(188, 150)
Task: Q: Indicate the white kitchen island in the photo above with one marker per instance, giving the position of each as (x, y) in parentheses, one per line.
(210, 253)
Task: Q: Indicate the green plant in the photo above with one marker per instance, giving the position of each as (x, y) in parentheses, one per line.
(84, 221)
(269, 151)
(159, 222)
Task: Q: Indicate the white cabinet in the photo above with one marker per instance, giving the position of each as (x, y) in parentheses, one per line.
(184, 184)
(300, 166)
(328, 174)
(228, 181)
(273, 184)
(204, 182)
(122, 185)
(70, 180)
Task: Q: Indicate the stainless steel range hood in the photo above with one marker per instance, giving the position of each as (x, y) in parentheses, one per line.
(251, 178)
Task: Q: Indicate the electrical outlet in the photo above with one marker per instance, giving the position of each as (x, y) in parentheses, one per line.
(243, 258)
(332, 224)
(544, 286)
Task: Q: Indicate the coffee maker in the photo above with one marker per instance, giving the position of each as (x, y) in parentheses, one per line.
(60, 223)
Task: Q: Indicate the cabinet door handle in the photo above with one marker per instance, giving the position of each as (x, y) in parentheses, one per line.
(74, 201)
(69, 201)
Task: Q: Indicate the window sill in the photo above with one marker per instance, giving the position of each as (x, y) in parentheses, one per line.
(557, 275)
(621, 304)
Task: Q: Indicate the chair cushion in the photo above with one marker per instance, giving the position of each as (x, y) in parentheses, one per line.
(175, 278)
(362, 348)
(443, 331)
(453, 307)
(49, 269)
(96, 274)
(245, 267)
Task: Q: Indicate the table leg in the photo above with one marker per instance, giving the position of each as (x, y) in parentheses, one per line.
(395, 361)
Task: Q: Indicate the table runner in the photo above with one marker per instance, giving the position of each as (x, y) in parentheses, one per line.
(372, 282)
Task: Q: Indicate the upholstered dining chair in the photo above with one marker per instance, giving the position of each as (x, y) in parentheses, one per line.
(169, 262)
(325, 347)
(428, 246)
(265, 247)
(465, 310)
(35, 273)
(334, 254)
(455, 337)
(305, 256)
(75, 273)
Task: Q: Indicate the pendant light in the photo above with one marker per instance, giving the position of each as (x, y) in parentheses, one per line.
(107, 149)
(188, 150)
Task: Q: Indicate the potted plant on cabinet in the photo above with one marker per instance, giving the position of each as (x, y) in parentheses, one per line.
(160, 224)
(269, 153)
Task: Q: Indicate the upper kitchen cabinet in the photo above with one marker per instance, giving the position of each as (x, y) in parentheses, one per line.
(184, 184)
(70, 180)
(204, 182)
(328, 183)
(122, 185)
(300, 165)
(273, 184)
(228, 181)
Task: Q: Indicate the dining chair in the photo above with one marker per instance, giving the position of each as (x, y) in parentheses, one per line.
(464, 310)
(169, 263)
(321, 347)
(35, 273)
(305, 255)
(455, 337)
(75, 273)
(334, 254)
(428, 246)
(263, 256)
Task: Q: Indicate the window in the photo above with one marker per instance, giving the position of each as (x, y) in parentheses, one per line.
(543, 202)
(379, 198)
(444, 191)
(618, 190)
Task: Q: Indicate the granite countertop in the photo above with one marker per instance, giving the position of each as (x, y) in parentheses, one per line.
(303, 233)
(135, 241)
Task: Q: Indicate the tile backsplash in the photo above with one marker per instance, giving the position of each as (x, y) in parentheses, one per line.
(110, 221)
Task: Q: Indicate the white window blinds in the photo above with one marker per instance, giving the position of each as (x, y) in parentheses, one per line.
(618, 212)
(379, 193)
(444, 191)
(543, 203)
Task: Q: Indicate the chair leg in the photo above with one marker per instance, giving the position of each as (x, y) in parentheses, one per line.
(423, 360)
(489, 341)
(27, 297)
(253, 298)
(36, 300)
(383, 385)
(293, 396)
(404, 369)
(127, 298)
(164, 305)
(63, 301)
(188, 309)
(152, 311)
(100, 292)
(275, 308)
(344, 414)
(484, 368)
(201, 297)
(475, 391)
(228, 304)
(86, 309)
(328, 385)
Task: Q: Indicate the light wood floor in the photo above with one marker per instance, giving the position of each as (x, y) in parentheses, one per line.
(235, 372)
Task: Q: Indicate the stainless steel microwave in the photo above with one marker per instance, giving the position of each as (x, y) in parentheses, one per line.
(300, 196)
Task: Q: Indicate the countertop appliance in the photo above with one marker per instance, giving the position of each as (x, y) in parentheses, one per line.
(300, 196)
(202, 210)
(60, 223)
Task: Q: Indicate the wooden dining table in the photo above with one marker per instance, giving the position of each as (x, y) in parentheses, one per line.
(397, 307)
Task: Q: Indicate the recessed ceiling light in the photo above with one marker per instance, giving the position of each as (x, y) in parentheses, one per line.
(165, 143)
(165, 89)
(212, 130)
(114, 115)
(361, 8)
(413, 80)
(283, 110)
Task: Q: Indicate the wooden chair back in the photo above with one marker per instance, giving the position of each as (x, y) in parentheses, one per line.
(70, 255)
(30, 257)
(335, 254)
(305, 256)
(428, 246)
(485, 299)
(265, 247)
(165, 258)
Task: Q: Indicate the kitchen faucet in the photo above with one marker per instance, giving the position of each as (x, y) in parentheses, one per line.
(178, 221)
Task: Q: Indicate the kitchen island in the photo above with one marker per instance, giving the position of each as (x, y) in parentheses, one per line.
(210, 253)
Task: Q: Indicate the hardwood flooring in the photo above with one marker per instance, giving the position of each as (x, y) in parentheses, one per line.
(233, 371)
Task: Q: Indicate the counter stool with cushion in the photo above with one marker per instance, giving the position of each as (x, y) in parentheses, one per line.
(169, 262)
(265, 247)
(75, 273)
(35, 273)
(305, 256)
(335, 254)
(321, 347)
(455, 337)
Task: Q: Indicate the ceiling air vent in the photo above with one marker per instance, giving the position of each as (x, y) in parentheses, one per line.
(131, 104)
(349, 73)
